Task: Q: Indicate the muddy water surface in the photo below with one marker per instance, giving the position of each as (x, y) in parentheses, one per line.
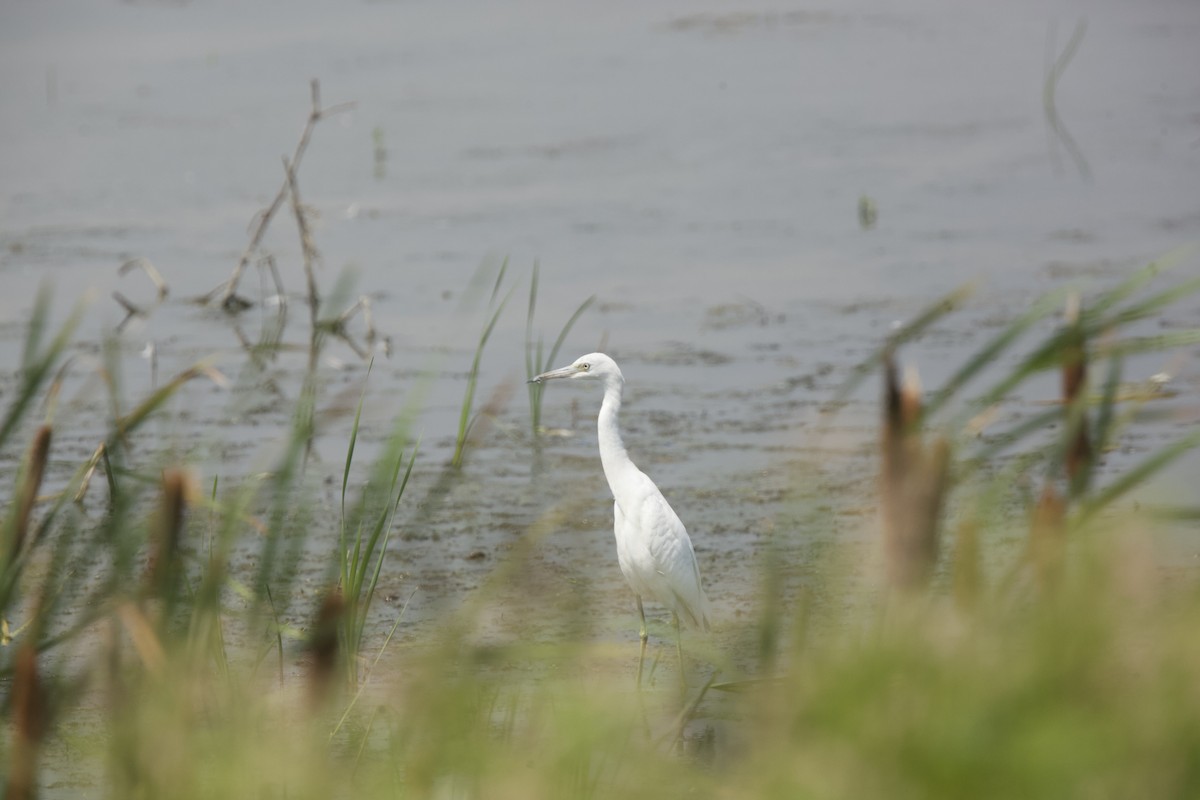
(696, 167)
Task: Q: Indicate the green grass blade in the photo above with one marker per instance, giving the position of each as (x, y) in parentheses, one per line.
(532, 364)
(1138, 475)
(354, 433)
(283, 483)
(131, 421)
(1107, 411)
(906, 333)
(399, 495)
(1045, 306)
(499, 281)
(1151, 344)
(1047, 356)
(37, 325)
(566, 329)
(535, 391)
(1176, 513)
(349, 460)
(1098, 306)
(533, 289)
(464, 418)
(387, 640)
(540, 365)
(1148, 307)
(996, 443)
(36, 366)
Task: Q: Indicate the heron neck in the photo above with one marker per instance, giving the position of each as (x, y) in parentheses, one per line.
(613, 457)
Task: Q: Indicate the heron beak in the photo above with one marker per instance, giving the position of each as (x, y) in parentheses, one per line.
(564, 372)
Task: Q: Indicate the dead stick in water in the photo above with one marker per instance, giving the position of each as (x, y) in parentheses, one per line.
(132, 309)
(227, 291)
(307, 247)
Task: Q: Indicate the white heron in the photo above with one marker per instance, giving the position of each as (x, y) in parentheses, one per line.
(653, 547)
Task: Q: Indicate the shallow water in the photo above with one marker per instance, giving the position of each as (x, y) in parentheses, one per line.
(697, 167)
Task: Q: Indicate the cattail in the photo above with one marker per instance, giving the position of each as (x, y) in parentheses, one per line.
(1047, 538)
(168, 530)
(1078, 457)
(913, 483)
(30, 723)
(35, 469)
(323, 644)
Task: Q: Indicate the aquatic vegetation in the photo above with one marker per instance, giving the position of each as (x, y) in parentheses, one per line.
(467, 418)
(192, 644)
(366, 531)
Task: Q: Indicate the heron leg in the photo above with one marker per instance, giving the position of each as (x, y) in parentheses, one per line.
(643, 636)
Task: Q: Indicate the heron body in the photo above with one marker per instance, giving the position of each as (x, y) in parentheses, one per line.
(653, 547)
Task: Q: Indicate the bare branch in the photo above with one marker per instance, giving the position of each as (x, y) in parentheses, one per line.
(307, 246)
(153, 274)
(133, 309)
(226, 293)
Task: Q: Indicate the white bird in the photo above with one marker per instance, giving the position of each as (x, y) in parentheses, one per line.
(653, 547)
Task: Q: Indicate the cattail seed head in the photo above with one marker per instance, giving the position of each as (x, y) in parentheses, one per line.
(912, 484)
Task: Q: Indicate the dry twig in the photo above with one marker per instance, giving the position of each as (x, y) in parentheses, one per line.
(308, 247)
(226, 294)
(132, 309)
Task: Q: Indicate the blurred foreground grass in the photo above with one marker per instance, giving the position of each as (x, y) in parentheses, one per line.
(135, 666)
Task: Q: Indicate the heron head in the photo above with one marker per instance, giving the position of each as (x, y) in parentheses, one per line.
(592, 366)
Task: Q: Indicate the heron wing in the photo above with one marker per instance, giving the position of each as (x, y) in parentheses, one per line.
(676, 578)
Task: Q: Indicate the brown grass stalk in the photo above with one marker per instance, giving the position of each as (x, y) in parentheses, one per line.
(323, 646)
(912, 484)
(30, 724)
(163, 569)
(35, 470)
(1079, 453)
